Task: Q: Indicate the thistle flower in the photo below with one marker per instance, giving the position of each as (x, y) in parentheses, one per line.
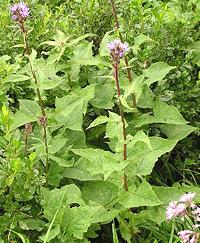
(117, 49)
(175, 209)
(20, 11)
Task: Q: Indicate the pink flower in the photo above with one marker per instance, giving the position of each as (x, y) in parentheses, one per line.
(175, 209)
(188, 236)
(187, 198)
(185, 235)
(117, 49)
(20, 11)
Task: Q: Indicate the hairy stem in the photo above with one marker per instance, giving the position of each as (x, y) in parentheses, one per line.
(41, 102)
(114, 11)
(116, 76)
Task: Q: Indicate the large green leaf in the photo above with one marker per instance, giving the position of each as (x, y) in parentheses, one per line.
(77, 220)
(163, 113)
(142, 157)
(177, 132)
(104, 96)
(146, 162)
(83, 54)
(100, 192)
(29, 111)
(143, 196)
(69, 194)
(156, 72)
(70, 109)
(98, 161)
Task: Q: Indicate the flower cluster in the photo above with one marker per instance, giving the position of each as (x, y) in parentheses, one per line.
(185, 207)
(179, 208)
(20, 11)
(188, 236)
(117, 49)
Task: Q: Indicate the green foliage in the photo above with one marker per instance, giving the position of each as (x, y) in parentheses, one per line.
(63, 180)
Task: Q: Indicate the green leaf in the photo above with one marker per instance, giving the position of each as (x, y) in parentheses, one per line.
(124, 230)
(100, 162)
(167, 194)
(143, 196)
(103, 50)
(139, 40)
(104, 94)
(29, 111)
(156, 72)
(70, 109)
(140, 136)
(177, 132)
(23, 238)
(99, 120)
(51, 234)
(100, 192)
(163, 113)
(56, 144)
(79, 172)
(135, 88)
(104, 215)
(114, 232)
(146, 99)
(51, 201)
(13, 78)
(82, 37)
(78, 219)
(145, 163)
(83, 54)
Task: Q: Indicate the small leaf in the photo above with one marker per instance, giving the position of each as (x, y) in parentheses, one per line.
(99, 120)
(103, 50)
(17, 78)
(29, 111)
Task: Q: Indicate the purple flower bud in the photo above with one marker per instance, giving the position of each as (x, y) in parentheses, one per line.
(117, 49)
(20, 11)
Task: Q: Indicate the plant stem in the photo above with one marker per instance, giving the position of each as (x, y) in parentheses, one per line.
(122, 40)
(116, 76)
(26, 144)
(41, 102)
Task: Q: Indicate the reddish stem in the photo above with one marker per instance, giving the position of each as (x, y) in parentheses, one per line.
(116, 76)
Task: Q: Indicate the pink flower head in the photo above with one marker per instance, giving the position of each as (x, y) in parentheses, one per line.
(20, 11)
(117, 49)
(185, 236)
(187, 198)
(175, 209)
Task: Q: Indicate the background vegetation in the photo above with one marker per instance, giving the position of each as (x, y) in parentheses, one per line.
(82, 199)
